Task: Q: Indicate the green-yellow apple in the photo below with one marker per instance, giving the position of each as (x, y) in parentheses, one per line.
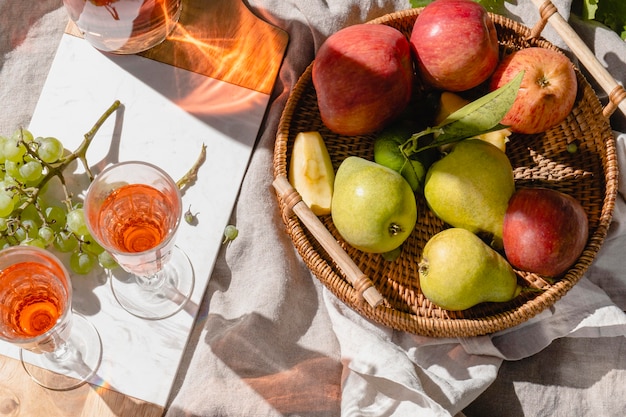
(456, 44)
(373, 207)
(547, 93)
(387, 152)
(363, 76)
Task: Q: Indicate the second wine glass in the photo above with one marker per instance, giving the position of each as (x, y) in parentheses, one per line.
(60, 349)
(133, 210)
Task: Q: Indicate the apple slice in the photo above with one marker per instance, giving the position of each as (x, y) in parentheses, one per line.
(311, 172)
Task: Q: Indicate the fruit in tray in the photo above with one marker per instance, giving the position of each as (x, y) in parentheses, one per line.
(453, 153)
(545, 231)
(548, 90)
(470, 188)
(373, 207)
(450, 102)
(458, 270)
(456, 44)
(363, 76)
(311, 171)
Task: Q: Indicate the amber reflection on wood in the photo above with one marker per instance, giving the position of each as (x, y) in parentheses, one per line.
(222, 39)
(85, 401)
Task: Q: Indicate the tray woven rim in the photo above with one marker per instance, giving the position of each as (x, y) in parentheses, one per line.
(428, 321)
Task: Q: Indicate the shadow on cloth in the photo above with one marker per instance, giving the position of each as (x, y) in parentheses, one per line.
(278, 370)
(576, 374)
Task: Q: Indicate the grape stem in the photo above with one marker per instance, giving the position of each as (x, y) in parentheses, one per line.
(192, 175)
(56, 169)
(81, 152)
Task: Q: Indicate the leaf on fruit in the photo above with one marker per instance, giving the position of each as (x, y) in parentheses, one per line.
(480, 116)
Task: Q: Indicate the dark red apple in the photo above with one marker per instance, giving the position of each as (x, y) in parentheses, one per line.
(544, 231)
(456, 44)
(363, 76)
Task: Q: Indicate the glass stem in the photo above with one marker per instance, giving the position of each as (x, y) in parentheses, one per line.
(61, 353)
(150, 282)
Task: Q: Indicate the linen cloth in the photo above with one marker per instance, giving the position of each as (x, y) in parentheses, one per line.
(270, 340)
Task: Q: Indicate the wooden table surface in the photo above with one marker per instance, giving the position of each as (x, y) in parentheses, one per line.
(218, 38)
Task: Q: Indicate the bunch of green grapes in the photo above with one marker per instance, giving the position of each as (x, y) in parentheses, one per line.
(27, 163)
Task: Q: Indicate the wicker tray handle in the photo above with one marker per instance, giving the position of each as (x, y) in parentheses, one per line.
(549, 13)
(361, 283)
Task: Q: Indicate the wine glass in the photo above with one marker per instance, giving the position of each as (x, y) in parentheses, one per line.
(133, 210)
(60, 349)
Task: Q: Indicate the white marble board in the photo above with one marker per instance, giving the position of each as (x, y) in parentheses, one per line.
(168, 113)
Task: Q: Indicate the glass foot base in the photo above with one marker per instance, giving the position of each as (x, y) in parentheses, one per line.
(166, 297)
(74, 369)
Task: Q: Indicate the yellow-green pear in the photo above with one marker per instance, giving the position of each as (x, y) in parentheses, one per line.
(458, 271)
(373, 207)
(470, 188)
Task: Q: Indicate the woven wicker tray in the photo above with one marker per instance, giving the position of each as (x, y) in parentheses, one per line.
(589, 175)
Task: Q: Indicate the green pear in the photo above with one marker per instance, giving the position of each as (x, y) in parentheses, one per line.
(470, 188)
(458, 270)
(373, 207)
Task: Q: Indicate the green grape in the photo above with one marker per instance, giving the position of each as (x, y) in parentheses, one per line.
(3, 140)
(8, 183)
(12, 168)
(31, 171)
(29, 241)
(65, 242)
(20, 234)
(55, 217)
(3, 224)
(31, 213)
(50, 149)
(90, 245)
(6, 204)
(82, 262)
(13, 150)
(75, 222)
(31, 227)
(230, 233)
(46, 234)
(23, 135)
(107, 261)
(4, 243)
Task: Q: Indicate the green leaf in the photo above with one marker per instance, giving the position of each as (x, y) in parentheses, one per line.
(493, 6)
(611, 13)
(419, 3)
(480, 116)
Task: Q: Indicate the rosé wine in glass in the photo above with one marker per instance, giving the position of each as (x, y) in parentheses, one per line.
(133, 210)
(60, 349)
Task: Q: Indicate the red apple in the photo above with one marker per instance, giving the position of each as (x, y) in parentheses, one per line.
(363, 77)
(544, 231)
(548, 89)
(456, 44)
